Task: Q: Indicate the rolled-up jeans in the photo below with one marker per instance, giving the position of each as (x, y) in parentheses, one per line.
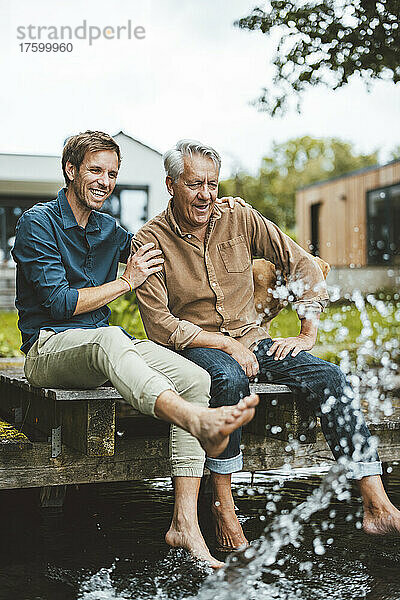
(321, 384)
(139, 369)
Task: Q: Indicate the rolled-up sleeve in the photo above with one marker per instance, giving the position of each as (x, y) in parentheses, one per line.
(160, 324)
(40, 261)
(309, 309)
(124, 240)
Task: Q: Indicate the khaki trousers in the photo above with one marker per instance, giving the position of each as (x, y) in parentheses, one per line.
(139, 369)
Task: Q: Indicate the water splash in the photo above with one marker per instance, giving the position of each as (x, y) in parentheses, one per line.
(99, 586)
(164, 580)
(241, 575)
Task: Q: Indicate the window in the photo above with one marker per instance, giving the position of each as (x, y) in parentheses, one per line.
(383, 215)
(11, 208)
(315, 210)
(129, 205)
(133, 209)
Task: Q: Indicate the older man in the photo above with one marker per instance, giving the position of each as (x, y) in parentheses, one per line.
(67, 254)
(201, 304)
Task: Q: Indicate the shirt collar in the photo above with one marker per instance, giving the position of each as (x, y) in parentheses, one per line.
(216, 214)
(68, 217)
(93, 222)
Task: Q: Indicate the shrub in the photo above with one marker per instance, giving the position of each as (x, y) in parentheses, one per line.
(125, 313)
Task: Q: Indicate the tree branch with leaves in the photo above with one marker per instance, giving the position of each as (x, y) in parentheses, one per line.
(326, 43)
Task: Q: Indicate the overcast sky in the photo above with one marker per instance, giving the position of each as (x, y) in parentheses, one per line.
(194, 75)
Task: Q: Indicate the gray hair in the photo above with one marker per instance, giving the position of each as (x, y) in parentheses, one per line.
(173, 159)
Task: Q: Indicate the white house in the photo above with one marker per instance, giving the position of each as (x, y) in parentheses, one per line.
(26, 179)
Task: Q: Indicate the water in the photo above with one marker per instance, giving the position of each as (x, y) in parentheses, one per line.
(108, 544)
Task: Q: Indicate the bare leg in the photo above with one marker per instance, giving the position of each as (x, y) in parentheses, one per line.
(184, 531)
(211, 426)
(380, 515)
(229, 532)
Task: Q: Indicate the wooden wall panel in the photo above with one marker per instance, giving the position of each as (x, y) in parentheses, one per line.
(343, 217)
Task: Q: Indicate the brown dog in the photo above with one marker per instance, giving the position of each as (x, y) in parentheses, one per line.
(264, 275)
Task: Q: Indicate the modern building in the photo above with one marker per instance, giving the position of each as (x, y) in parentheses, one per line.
(27, 179)
(353, 222)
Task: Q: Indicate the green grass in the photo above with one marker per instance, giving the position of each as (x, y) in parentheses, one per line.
(10, 337)
(287, 324)
(340, 327)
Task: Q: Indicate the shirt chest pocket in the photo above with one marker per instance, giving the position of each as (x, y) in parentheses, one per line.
(235, 255)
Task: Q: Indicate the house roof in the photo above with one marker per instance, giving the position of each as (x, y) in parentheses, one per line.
(138, 142)
(349, 174)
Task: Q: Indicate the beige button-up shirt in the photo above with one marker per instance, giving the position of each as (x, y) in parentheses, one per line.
(209, 285)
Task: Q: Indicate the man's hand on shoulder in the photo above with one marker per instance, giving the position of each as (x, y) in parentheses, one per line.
(232, 201)
(144, 262)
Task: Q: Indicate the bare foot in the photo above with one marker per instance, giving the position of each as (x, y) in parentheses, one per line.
(192, 540)
(229, 532)
(213, 426)
(382, 522)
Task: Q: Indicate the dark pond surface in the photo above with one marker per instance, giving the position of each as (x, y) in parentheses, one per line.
(108, 544)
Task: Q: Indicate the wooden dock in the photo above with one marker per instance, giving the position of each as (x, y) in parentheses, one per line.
(54, 438)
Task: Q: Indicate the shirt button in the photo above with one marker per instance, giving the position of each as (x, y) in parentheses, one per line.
(213, 284)
(189, 236)
(223, 329)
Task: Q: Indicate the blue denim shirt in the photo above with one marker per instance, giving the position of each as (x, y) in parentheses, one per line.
(55, 258)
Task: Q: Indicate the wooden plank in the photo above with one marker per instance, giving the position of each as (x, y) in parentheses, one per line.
(141, 458)
(134, 459)
(89, 426)
(39, 414)
(283, 415)
(269, 388)
(15, 377)
(11, 439)
(10, 399)
(388, 424)
(106, 393)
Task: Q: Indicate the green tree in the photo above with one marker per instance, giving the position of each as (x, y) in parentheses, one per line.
(290, 166)
(325, 42)
(395, 153)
